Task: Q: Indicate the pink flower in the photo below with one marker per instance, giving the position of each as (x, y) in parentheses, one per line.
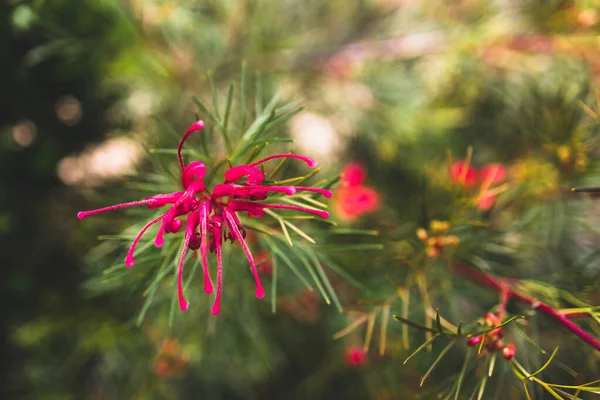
(353, 174)
(212, 217)
(356, 356)
(353, 199)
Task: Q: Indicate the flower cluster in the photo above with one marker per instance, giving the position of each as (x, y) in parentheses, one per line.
(353, 199)
(463, 174)
(437, 238)
(211, 216)
(492, 340)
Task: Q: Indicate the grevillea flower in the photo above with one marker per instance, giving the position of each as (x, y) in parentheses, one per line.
(462, 173)
(211, 217)
(354, 199)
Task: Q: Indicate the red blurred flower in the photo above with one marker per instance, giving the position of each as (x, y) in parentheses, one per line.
(491, 174)
(354, 199)
(264, 263)
(356, 356)
(464, 174)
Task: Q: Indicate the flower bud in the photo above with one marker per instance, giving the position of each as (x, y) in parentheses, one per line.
(509, 351)
(475, 340)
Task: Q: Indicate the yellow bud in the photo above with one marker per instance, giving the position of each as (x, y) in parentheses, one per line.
(422, 234)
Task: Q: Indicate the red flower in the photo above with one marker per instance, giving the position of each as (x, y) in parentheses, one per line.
(356, 356)
(212, 216)
(465, 175)
(353, 199)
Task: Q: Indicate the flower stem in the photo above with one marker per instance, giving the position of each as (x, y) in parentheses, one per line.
(504, 287)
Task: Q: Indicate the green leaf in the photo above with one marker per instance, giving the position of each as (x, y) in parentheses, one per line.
(274, 285)
(462, 373)
(243, 97)
(259, 96)
(213, 92)
(545, 365)
(205, 111)
(414, 324)
(226, 119)
(348, 231)
(438, 322)
(327, 283)
(341, 272)
(289, 263)
(421, 347)
(312, 273)
(437, 360)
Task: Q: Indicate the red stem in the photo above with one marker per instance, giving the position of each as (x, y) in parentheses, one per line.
(503, 286)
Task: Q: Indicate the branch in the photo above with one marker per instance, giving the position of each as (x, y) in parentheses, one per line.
(504, 287)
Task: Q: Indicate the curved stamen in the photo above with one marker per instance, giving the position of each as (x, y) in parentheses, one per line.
(190, 230)
(218, 237)
(232, 190)
(241, 205)
(320, 213)
(232, 223)
(204, 213)
(159, 241)
(254, 174)
(309, 161)
(129, 261)
(84, 214)
(324, 192)
(196, 126)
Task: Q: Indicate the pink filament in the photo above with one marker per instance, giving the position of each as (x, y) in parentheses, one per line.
(240, 205)
(190, 228)
(84, 214)
(232, 224)
(217, 234)
(320, 213)
(196, 126)
(159, 241)
(204, 216)
(129, 261)
(324, 192)
(232, 190)
(309, 161)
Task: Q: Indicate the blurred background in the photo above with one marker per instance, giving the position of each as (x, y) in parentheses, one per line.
(389, 84)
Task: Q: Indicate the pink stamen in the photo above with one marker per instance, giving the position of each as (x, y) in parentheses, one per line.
(190, 229)
(129, 261)
(320, 213)
(309, 161)
(84, 214)
(159, 241)
(254, 174)
(232, 190)
(196, 126)
(218, 236)
(241, 205)
(232, 223)
(204, 217)
(324, 192)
